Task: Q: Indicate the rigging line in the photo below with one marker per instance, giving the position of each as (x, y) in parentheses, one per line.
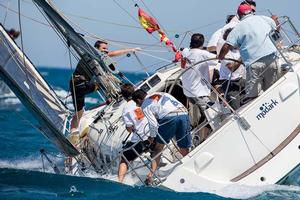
(248, 147)
(155, 18)
(159, 58)
(153, 15)
(207, 25)
(104, 21)
(94, 37)
(39, 22)
(25, 16)
(140, 62)
(63, 16)
(64, 42)
(108, 22)
(75, 24)
(126, 11)
(6, 11)
(18, 63)
(183, 39)
(22, 44)
(132, 17)
(73, 88)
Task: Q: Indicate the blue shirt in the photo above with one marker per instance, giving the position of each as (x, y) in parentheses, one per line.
(251, 35)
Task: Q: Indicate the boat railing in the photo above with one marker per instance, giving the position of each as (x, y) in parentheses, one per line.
(285, 38)
(282, 39)
(218, 110)
(146, 160)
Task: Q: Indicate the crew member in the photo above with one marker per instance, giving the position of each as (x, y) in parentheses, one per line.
(257, 51)
(167, 118)
(103, 47)
(137, 125)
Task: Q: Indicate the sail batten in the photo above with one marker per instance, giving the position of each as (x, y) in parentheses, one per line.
(33, 91)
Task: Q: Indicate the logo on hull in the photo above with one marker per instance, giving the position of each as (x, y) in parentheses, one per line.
(266, 108)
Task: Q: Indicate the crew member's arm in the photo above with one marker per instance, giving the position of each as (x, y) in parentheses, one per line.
(232, 66)
(129, 129)
(225, 49)
(275, 18)
(153, 124)
(128, 122)
(122, 52)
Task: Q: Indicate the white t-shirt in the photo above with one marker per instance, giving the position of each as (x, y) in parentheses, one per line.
(158, 105)
(234, 21)
(224, 71)
(196, 81)
(133, 116)
(214, 38)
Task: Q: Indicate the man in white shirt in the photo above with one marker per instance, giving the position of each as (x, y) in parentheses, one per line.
(212, 42)
(137, 125)
(231, 74)
(196, 81)
(257, 51)
(167, 118)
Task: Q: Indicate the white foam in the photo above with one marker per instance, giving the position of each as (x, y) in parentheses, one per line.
(29, 163)
(44, 73)
(9, 101)
(245, 192)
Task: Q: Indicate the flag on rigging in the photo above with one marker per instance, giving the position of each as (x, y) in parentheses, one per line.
(148, 22)
(151, 25)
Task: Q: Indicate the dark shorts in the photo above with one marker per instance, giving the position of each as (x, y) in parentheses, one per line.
(79, 89)
(178, 126)
(140, 148)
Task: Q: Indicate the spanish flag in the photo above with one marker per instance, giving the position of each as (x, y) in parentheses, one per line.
(151, 25)
(148, 22)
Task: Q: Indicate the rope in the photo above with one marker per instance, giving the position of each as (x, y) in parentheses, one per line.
(153, 15)
(132, 17)
(22, 44)
(6, 11)
(74, 91)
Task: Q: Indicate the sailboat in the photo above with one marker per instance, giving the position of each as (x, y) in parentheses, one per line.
(257, 144)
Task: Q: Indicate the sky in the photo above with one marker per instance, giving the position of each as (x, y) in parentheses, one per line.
(117, 22)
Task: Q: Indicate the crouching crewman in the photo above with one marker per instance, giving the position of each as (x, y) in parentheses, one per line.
(136, 124)
(168, 118)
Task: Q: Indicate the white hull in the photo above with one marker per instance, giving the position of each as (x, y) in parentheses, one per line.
(263, 154)
(257, 145)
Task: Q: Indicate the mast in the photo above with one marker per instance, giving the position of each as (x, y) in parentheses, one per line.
(97, 64)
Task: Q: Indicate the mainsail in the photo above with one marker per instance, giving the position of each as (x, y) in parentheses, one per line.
(25, 81)
(98, 64)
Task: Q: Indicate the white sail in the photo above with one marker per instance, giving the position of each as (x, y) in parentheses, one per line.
(25, 81)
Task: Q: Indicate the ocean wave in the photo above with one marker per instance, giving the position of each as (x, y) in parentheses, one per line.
(245, 192)
(8, 101)
(66, 98)
(234, 191)
(30, 163)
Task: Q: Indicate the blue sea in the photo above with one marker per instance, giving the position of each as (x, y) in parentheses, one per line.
(23, 174)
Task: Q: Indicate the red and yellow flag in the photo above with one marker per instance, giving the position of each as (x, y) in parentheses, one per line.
(148, 22)
(151, 25)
